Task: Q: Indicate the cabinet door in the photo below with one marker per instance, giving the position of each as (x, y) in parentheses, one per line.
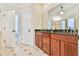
(46, 44)
(55, 47)
(69, 49)
(36, 39)
(40, 41)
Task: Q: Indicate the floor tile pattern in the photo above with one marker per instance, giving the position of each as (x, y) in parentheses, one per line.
(22, 50)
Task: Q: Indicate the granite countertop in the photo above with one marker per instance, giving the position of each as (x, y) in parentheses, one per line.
(62, 32)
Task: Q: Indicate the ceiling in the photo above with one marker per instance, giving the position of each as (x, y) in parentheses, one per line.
(49, 6)
(53, 7)
(18, 7)
(66, 7)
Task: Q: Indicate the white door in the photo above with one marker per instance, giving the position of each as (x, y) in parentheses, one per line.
(8, 29)
(26, 31)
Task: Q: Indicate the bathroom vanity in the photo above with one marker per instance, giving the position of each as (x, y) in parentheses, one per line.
(57, 43)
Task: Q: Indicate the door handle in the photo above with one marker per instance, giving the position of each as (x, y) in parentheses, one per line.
(4, 41)
(29, 30)
(13, 30)
(4, 28)
(0, 32)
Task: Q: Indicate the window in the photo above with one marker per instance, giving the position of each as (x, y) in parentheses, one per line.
(63, 24)
(70, 23)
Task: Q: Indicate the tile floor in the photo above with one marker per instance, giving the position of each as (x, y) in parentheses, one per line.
(23, 50)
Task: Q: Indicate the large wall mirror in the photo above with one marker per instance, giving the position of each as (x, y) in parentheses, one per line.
(67, 19)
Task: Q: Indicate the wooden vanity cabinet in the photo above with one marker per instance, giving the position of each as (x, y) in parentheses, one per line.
(38, 39)
(57, 44)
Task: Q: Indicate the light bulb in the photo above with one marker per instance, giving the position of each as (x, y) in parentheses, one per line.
(61, 12)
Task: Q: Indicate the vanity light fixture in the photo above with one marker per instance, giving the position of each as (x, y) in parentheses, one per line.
(62, 12)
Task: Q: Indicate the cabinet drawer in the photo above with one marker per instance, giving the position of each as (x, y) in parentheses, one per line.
(38, 33)
(69, 37)
(56, 36)
(46, 34)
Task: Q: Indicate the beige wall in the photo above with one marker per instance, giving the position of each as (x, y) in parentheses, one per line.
(36, 16)
(45, 21)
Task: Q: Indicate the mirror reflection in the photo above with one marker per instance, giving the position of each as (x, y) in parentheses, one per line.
(62, 17)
